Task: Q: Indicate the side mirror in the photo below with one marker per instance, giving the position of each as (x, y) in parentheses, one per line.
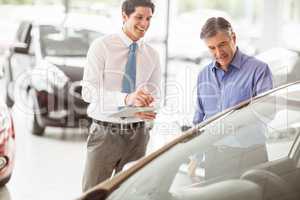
(20, 47)
(185, 128)
(23, 38)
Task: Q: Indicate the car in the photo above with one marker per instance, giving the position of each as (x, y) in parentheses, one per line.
(284, 64)
(249, 151)
(46, 63)
(7, 144)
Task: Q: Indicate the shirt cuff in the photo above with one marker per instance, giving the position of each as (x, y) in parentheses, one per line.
(121, 98)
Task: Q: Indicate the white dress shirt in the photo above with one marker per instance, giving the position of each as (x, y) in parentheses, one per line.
(104, 71)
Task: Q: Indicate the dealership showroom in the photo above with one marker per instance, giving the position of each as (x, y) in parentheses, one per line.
(149, 99)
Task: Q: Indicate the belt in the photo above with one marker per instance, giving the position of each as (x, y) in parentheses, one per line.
(120, 126)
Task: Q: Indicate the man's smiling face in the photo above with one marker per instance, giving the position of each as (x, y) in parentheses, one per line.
(137, 23)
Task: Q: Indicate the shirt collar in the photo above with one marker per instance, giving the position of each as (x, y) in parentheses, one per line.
(127, 41)
(236, 61)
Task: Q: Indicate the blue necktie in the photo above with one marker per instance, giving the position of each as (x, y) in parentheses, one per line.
(128, 83)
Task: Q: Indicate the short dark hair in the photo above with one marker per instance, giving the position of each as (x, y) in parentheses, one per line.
(128, 6)
(213, 25)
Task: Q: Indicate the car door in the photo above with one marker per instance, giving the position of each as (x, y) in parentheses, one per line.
(21, 59)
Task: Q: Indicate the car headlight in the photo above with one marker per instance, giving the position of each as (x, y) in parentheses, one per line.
(47, 77)
(56, 76)
(3, 162)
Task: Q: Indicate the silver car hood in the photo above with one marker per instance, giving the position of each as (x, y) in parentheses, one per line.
(67, 61)
(72, 67)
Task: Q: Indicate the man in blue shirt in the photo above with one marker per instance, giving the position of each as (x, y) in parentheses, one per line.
(232, 77)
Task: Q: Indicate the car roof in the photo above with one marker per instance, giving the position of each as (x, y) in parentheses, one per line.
(106, 187)
(78, 21)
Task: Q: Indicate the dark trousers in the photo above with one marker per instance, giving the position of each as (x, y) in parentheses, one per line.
(109, 149)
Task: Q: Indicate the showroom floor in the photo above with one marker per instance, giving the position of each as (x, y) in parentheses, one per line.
(50, 167)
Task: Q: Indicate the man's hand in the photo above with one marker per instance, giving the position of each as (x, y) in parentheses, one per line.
(146, 115)
(139, 98)
(192, 166)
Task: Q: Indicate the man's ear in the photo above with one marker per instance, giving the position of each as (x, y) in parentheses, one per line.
(124, 17)
(233, 37)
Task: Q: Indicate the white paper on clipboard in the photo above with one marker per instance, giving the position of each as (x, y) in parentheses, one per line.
(129, 111)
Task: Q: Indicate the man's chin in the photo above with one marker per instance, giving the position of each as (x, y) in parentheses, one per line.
(223, 63)
(140, 35)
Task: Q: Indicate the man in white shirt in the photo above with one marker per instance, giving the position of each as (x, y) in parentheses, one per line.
(121, 70)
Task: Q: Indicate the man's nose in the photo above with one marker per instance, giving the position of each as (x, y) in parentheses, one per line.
(218, 52)
(144, 23)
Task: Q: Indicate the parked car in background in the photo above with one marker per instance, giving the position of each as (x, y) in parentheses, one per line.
(7, 144)
(284, 65)
(47, 62)
(251, 151)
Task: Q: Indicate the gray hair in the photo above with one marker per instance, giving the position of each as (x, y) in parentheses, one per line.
(214, 25)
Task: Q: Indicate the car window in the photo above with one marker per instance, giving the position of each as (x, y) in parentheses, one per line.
(62, 41)
(31, 50)
(257, 136)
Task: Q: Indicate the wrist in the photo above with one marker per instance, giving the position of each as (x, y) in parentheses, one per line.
(126, 99)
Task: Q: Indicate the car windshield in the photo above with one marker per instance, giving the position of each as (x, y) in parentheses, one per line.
(258, 136)
(62, 41)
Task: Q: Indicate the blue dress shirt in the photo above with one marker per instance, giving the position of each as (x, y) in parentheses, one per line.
(218, 90)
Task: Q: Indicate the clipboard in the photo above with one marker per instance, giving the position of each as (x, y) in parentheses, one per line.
(129, 111)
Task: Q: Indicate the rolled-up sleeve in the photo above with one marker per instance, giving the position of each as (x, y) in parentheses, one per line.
(263, 79)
